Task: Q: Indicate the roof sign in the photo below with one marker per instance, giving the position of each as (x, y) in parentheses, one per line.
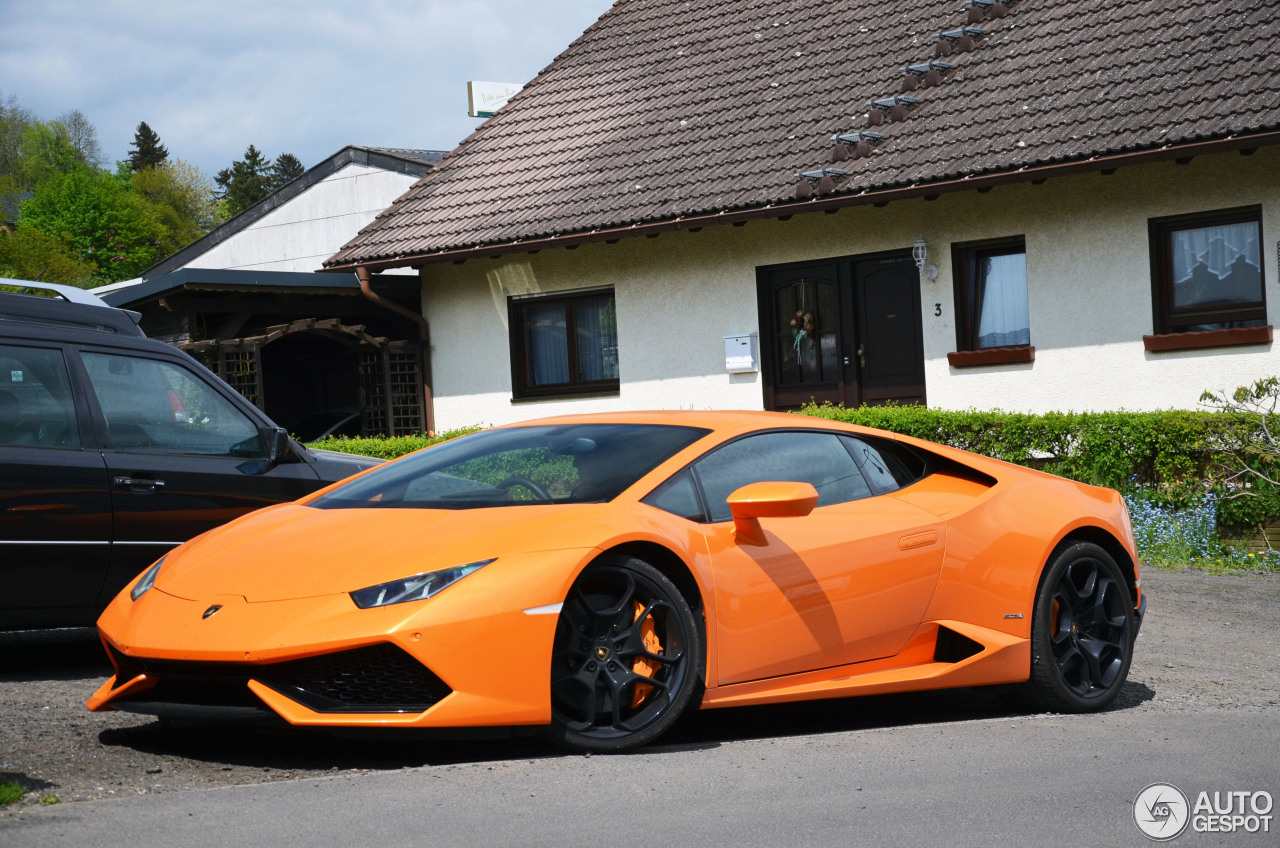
(485, 98)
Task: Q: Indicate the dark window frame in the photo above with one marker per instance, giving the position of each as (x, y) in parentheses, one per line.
(1164, 316)
(964, 261)
(518, 341)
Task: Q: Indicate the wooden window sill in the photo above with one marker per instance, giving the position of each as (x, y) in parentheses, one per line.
(991, 356)
(1208, 338)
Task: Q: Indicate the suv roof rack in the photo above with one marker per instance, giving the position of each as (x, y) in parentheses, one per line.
(71, 294)
(46, 308)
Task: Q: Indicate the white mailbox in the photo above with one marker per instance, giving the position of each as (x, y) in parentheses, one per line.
(741, 353)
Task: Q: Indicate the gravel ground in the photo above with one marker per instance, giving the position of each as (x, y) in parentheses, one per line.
(1209, 644)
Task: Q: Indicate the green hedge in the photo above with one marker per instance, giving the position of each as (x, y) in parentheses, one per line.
(389, 447)
(1165, 456)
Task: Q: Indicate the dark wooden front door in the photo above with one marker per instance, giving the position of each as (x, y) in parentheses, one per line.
(846, 331)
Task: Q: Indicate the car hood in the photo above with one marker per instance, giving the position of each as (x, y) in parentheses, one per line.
(332, 466)
(291, 551)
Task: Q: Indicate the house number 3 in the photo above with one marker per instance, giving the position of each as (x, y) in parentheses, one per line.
(937, 309)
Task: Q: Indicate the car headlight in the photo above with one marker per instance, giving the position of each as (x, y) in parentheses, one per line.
(416, 588)
(146, 581)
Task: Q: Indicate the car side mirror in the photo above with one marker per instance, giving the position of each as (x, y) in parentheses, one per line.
(276, 440)
(275, 443)
(754, 501)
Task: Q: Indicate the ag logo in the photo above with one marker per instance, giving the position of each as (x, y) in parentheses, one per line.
(1161, 811)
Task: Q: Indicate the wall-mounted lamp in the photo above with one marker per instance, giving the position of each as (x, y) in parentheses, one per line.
(920, 253)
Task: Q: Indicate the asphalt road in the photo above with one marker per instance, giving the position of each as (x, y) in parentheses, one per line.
(1201, 711)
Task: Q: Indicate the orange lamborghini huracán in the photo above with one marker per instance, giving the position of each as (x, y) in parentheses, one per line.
(597, 575)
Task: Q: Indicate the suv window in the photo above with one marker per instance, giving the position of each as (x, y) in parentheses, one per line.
(36, 407)
(817, 458)
(152, 406)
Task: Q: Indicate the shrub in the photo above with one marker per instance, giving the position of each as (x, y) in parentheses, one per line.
(389, 447)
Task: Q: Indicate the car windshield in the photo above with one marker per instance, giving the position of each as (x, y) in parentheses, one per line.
(579, 463)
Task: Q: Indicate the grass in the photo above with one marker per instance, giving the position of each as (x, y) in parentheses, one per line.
(11, 792)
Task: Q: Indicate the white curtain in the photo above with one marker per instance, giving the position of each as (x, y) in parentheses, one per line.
(1219, 264)
(548, 343)
(597, 327)
(1003, 314)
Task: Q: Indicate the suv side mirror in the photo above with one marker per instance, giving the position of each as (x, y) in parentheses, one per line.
(276, 440)
(754, 501)
(275, 443)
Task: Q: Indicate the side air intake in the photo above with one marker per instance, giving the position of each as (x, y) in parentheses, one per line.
(953, 647)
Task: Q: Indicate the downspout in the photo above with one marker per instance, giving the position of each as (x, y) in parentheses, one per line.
(362, 274)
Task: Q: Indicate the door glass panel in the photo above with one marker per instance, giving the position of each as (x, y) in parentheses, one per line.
(160, 408)
(36, 407)
(806, 335)
(817, 458)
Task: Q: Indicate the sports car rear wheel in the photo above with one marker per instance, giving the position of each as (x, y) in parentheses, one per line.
(1082, 632)
(626, 658)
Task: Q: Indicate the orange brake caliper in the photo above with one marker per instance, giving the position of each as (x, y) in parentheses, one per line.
(643, 665)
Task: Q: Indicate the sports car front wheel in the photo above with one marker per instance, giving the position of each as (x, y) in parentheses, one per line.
(626, 658)
(1082, 632)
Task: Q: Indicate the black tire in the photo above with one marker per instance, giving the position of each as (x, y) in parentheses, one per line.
(603, 699)
(1082, 632)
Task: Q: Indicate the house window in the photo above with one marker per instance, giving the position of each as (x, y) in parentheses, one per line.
(564, 344)
(991, 303)
(1206, 272)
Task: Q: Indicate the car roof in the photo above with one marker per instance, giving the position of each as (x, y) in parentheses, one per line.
(724, 421)
(70, 309)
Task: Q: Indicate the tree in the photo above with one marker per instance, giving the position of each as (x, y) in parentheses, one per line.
(46, 151)
(83, 137)
(245, 183)
(286, 169)
(14, 121)
(103, 219)
(182, 199)
(28, 253)
(147, 151)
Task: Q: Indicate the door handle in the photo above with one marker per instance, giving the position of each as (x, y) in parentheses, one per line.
(139, 485)
(917, 540)
(862, 358)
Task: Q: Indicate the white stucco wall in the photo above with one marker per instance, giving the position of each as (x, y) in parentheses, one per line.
(309, 228)
(1089, 290)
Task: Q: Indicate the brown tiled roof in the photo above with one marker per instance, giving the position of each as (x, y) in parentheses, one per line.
(673, 109)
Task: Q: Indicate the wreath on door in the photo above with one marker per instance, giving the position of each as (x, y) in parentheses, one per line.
(802, 326)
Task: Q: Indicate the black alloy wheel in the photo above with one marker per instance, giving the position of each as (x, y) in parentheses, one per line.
(1082, 632)
(626, 660)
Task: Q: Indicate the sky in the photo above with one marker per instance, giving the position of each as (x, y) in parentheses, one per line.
(306, 78)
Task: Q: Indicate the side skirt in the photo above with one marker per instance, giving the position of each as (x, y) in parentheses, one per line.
(1003, 659)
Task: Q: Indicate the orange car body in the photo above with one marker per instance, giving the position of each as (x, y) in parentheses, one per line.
(848, 599)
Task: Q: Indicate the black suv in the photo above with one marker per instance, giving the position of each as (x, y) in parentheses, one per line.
(114, 448)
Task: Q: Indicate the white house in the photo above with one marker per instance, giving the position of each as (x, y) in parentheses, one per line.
(301, 224)
(1029, 206)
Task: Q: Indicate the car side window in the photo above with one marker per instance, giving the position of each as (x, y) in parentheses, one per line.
(817, 458)
(886, 468)
(160, 407)
(36, 405)
(677, 496)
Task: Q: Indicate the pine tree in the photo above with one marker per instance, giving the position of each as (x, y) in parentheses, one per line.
(245, 183)
(147, 151)
(286, 168)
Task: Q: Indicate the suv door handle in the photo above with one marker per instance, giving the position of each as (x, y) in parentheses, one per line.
(139, 485)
